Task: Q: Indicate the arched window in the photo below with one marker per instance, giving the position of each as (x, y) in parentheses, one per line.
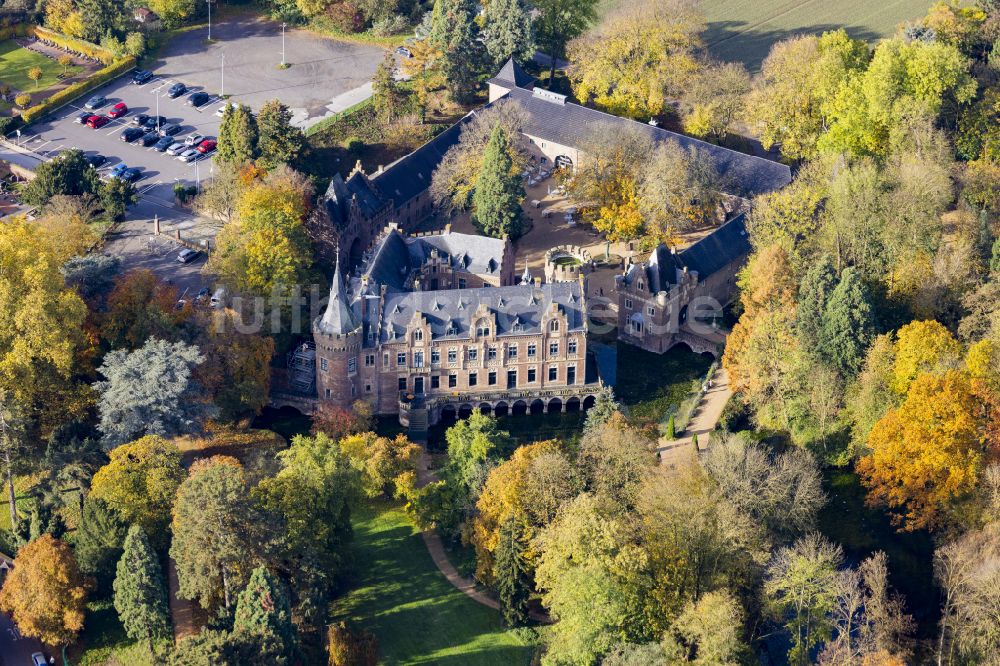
(418, 335)
(483, 328)
(554, 326)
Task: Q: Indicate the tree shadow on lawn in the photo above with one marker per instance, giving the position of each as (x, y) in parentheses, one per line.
(732, 40)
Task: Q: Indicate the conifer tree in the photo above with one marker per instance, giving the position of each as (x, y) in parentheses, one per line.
(386, 95)
(814, 291)
(454, 34)
(507, 31)
(140, 594)
(511, 573)
(499, 190)
(237, 135)
(279, 141)
(847, 327)
(263, 613)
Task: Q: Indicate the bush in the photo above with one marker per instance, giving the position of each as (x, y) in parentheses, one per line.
(346, 17)
(671, 428)
(391, 25)
(350, 648)
(353, 144)
(8, 124)
(70, 93)
(72, 44)
(22, 100)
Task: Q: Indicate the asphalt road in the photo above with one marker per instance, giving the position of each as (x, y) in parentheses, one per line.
(15, 649)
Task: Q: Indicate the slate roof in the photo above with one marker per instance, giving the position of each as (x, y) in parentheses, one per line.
(339, 318)
(511, 73)
(470, 252)
(391, 262)
(519, 309)
(570, 124)
(710, 254)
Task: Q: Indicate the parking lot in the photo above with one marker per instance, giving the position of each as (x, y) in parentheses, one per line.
(159, 171)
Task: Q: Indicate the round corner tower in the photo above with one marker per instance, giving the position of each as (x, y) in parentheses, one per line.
(337, 334)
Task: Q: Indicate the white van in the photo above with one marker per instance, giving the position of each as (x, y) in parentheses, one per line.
(218, 298)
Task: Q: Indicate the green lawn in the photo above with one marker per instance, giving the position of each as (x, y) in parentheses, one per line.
(15, 63)
(744, 30)
(418, 617)
(649, 384)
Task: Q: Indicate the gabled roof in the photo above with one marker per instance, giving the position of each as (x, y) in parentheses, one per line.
(721, 247)
(411, 174)
(471, 253)
(390, 264)
(570, 124)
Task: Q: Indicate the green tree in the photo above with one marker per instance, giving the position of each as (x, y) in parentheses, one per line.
(135, 44)
(814, 290)
(140, 481)
(238, 135)
(140, 591)
(98, 542)
(263, 613)
(280, 142)
(711, 627)
(151, 391)
(454, 34)
(212, 647)
(511, 574)
(472, 444)
(560, 21)
(801, 589)
(507, 32)
(174, 12)
(848, 327)
(499, 190)
(386, 95)
(68, 174)
(116, 196)
(212, 544)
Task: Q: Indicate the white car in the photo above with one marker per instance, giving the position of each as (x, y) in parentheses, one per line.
(222, 109)
(189, 155)
(193, 140)
(176, 149)
(38, 659)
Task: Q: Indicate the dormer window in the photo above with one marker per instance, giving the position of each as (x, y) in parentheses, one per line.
(639, 285)
(418, 336)
(483, 329)
(553, 326)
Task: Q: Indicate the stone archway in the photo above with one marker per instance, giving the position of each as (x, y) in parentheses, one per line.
(555, 405)
(464, 411)
(537, 407)
(486, 408)
(519, 408)
(564, 162)
(589, 402)
(501, 409)
(449, 415)
(573, 404)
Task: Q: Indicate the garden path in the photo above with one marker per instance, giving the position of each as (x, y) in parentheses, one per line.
(706, 417)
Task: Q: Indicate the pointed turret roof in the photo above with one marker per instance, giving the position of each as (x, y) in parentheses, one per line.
(339, 318)
(511, 72)
(526, 275)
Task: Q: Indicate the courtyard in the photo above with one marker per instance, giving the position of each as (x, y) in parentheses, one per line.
(324, 76)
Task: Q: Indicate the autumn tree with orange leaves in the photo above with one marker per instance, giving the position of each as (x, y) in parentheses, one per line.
(45, 592)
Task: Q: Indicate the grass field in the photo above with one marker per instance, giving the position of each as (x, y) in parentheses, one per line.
(16, 61)
(418, 617)
(744, 30)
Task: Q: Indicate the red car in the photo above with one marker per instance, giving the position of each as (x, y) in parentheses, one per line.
(118, 110)
(206, 146)
(95, 122)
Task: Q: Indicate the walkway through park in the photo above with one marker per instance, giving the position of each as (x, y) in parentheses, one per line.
(706, 416)
(435, 547)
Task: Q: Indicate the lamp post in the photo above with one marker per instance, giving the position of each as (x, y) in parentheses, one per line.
(283, 45)
(209, 3)
(157, 94)
(222, 85)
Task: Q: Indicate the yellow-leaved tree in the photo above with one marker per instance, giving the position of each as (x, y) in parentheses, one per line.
(45, 591)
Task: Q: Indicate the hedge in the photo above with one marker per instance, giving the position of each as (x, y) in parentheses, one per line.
(72, 44)
(79, 88)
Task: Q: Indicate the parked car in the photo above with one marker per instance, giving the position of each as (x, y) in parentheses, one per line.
(189, 155)
(206, 146)
(118, 110)
(117, 170)
(169, 129)
(140, 119)
(97, 122)
(131, 134)
(142, 76)
(198, 99)
(96, 102)
(202, 293)
(149, 138)
(154, 122)
(176, 149)
(81, 119)
(403, 51)
(131, 175)
(38, 659)
(164, 143)
(176, 90)
(221, 111)
(95, 160)
(187, 255)
(193, 139)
